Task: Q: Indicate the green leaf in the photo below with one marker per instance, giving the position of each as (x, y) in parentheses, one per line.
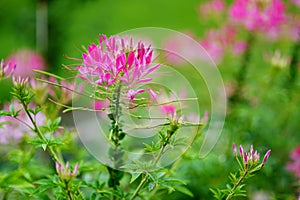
(21, 184)
(5, 113)
(134, 176)
(184, 190)
(57, 121)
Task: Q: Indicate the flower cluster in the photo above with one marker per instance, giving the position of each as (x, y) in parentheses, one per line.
(65, 172)
(117, 60)
(217, 41)
(260, 15)
(294, 165)
(252, 158)
(6, 69)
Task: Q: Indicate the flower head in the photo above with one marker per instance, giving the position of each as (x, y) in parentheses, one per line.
(251, 158)
(118, 60)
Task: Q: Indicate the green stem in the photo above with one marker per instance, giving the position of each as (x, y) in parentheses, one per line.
(294, 62)
(41, 136)
(115, 136)
(145, 178)
(241, 75)
(241, 179)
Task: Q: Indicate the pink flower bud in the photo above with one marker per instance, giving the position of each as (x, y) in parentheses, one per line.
(234, 148)
(245, 158)
(75, 171)
(58, 167)
(266, 156)
(241, 150)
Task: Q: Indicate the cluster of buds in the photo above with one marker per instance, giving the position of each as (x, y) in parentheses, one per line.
(64, 172)
(7, 69)
(251, 159)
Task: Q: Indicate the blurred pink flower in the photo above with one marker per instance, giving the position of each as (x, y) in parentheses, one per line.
(118, 59)
(212, 7)
(12, 130)
(294, 165)
(259, 15)
(26, 61)
(175, 46)
(296, 2)
(217, 41)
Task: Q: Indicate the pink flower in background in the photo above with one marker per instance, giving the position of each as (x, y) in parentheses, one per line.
(294, 165)
(212, 7)
(176, 46)
(6, 69)
(260, 15)
(217, 41)
(296, 2)
(26, 61)
(12, 130)
(291, 29)
(118, 59)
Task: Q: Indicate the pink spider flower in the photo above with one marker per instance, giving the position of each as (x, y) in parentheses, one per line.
(6, 69)
(260, 15)
(294, 165)
(117, 59)
(26, 61)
